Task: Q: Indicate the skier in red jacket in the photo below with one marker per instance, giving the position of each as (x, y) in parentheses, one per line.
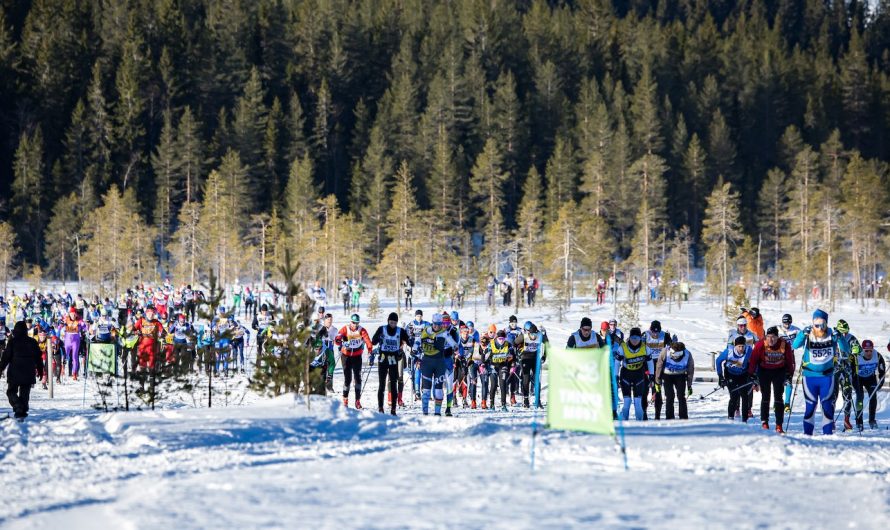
(352, 339)
(773, 361)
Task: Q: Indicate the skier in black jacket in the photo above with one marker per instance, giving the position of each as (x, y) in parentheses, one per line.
(22, 356)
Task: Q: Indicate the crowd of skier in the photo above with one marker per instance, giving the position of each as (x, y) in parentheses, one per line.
(449, 362)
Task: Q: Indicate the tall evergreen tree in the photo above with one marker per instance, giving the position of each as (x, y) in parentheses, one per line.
(28, 187)
(720, 234)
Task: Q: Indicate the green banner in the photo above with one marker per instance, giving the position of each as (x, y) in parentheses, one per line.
(102, 358)
(580, 394)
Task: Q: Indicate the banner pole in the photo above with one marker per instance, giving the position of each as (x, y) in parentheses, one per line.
(614, 386)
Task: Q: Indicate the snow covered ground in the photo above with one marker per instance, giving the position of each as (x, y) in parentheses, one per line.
(275, 464)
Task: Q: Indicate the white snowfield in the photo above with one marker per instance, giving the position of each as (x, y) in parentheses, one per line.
(274, 464)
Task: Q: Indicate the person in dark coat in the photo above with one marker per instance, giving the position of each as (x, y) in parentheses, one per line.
(22, 356)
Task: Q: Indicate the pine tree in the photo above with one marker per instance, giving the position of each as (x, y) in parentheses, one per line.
(297, 145)
(100, 133)
(62, 237)
(115, 242)
(28, 187)
(509, 128)
(644, 109)
(300, 197)
(190, 152)
(720, 234)
(77, 158)
(271, 180)
(855, 85)
(248, 131)
(370, 190)
(188, 244)
(9, 251)
(223, 217)
(771, 217)
(401, 253)
(167, 184)
(561, 176)
(530, 221)
(486, 188)
(695, 181)
(560, 252)
(721, 148)
(863, 195)
(129, 108)
(648, 223)
(799, 241)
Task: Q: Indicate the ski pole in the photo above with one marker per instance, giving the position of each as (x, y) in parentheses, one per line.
(793, 395)
(716, 388)
(872, 395)
(365, 379)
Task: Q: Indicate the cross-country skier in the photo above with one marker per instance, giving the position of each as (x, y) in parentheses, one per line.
(676, 371)
(414, 329)
(870, 372)
(848, 350)
(501, 356)
(389, 340)
(534, 344)
(352, 339)
(435, 344)
(73, 327)
(732, 372)
(22, 356)
(655, 340)
(818, 365)
(788, 332)
(632, 357)
(772, 361)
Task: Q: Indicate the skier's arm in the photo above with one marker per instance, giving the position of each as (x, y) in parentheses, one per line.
(754, 361)
(789, 361)
(367, 339)
(718, 365)
(378, 336)
(690, 373)
(799, 339)
(571, 342)
(659, 366)
(404, 338)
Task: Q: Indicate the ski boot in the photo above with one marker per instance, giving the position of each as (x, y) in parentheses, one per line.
(484, 405)
(400, 402)
(859, 426)
(346, 402)
(525, 403)
(787, 408)
(872, 424)
(74, 377)
(779, 429)
(380, 410)
(512, 399)
(473, 404)
(448, 411)
(388, 399)
(466, 405)
(358, 403)
(764, 425)
(847, 425)
(417, 396)
(392, 412)
(503, 408)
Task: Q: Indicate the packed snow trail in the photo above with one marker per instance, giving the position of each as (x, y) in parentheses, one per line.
(272, 463)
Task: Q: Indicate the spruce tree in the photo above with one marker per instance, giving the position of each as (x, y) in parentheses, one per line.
(190, 154)
(9, 253)
(28, 188)
(167, 184)
(486, 188)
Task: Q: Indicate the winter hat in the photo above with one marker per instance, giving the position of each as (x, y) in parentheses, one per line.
(604, 326)
(355, 318)
(868, 345)
(502, 334)
(586, 323)
(635, 333)
(820, 314)
(393, 316)
(772, 330)
(741, 321)
(678, 346)
(513, 318)
(418, 313)
(739, 340)
(655, 326)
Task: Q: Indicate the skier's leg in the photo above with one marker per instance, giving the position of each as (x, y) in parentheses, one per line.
(680, 386)
(439, 380)
(347, 375)
(859, 388)
(425, 374)
(764, 381)
(381, 383)
(810, 391)
(778, 405)
(826, 390)
(669, 396)
(393, 370)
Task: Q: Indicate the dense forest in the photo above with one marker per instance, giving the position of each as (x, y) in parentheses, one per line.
(145, 137)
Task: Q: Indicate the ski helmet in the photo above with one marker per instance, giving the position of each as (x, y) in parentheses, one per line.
(868, 345)
(843, 327)
(754, 312)
(531, 328)
(786, 319)
(741, 321)
(437, 319)
(527, 325)
(355, 318)
(470, 324)
(455, 317)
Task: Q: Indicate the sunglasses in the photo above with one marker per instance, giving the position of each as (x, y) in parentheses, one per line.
(587, 328)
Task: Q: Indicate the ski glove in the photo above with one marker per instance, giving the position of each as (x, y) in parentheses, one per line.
(689, 391)
(722, 382)
(657, 387)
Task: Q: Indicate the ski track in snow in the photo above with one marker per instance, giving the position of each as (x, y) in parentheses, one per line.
(273, 464)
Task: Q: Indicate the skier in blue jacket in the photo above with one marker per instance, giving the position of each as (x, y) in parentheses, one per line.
(821, 348)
